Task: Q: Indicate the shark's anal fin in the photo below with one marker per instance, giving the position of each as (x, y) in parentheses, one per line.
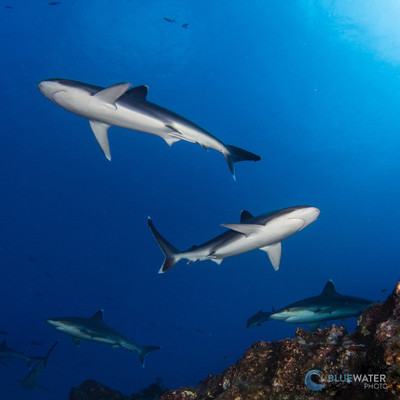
(100, 132)
(76, 341)
(274, 252)
(217, 260)
(246, 229)
(112, 93)
(314, 326)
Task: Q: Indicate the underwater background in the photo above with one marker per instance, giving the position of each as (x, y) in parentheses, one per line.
(313, 87)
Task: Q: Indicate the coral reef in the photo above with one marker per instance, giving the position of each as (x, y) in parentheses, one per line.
(277, 370)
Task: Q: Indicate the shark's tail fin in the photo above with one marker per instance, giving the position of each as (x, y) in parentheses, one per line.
(171, 253)
(236, 154)
(143, 350)
(49, 352)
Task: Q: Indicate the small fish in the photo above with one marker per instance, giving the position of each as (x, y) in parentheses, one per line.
(54, 3)
(37, 294)
(384, 290)
(224, 357)
(48, 275)
(7, 6)
(3, 333)
(199, 331)
(185, 25)
(32, 259)
(169, 19)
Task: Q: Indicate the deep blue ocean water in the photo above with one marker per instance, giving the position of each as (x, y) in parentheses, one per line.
(311, 86)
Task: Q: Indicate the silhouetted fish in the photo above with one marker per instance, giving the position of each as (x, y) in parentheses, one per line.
(54, 3)
(169, 19)
(185, 25)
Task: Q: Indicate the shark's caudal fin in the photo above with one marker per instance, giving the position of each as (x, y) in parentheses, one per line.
(143, 350)
(171, 253)
(236, 154)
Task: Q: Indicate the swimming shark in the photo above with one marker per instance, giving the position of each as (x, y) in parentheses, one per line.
(259, 318)
(30, 381)
(95, 330)
(327, 306)
(6, 352)
(126, 107)
(264, 232)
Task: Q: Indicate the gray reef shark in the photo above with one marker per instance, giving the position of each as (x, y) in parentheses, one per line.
(126, 107)
(327, 306)
(95, 330)
(6, 352)
(259, 318)
(264, 232)
(31, 380)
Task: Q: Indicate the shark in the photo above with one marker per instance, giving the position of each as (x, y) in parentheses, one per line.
(6, 352)
(126, 107)
(259, 318)
(329, 305)
(95, 330)
(264, 232)
(31, 380)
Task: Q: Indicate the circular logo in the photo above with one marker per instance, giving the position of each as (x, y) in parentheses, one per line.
(310, 383)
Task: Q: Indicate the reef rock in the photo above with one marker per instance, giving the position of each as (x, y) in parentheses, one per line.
(359, 366)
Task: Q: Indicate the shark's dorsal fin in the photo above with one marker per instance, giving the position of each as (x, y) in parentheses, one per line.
(329, 289)
(98, 316)
(139, 91)
(245, 216)
(3, 344)
(112, 93)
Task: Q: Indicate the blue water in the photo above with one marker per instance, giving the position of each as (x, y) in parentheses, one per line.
(313, 87)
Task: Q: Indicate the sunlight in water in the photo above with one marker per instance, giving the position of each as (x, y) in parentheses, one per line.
(373, 25)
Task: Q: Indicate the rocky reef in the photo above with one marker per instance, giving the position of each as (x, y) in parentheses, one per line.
(358, 366)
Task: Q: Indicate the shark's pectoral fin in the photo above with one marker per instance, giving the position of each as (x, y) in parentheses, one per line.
(100, 132)
(112, 93)
(217, 260)
(246, 229)
(313, 326)
(171, 140)
(274, 252)
(76, 341)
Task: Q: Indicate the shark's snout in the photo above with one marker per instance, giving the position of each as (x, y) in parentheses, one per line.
(53, 322)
